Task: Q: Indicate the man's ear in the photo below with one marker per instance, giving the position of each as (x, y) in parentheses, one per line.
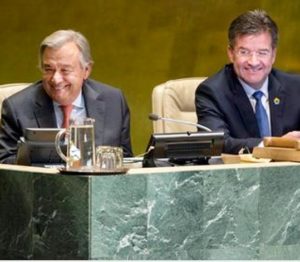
(274, 52)
(230, 54)
(88, 70)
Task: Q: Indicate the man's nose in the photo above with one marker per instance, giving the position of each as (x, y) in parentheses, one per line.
(57, 77)
(253, 59)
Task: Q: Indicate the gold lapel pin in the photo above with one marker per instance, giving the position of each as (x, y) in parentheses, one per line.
(276, 101)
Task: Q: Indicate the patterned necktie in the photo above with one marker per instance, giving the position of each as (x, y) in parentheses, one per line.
(261, 115)
(67, 110)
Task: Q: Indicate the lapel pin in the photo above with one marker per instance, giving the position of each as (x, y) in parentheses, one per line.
(276, 101)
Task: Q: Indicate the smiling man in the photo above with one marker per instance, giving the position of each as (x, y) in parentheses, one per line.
(248, 99)
(66, 64)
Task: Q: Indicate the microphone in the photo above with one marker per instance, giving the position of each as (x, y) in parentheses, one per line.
(155, 117)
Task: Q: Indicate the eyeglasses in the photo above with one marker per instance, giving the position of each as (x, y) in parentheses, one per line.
(246, 53)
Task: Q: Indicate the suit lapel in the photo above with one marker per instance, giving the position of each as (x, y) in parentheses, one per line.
(95, 106)
(245, 109)
(43, 110)
(243, 106)
(277, 97)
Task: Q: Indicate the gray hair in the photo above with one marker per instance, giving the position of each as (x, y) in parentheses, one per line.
(251, 23)
(61, 37)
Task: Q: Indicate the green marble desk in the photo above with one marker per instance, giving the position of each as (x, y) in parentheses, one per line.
(227, 212)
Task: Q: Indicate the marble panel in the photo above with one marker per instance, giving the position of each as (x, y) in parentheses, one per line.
(175, 205)
(231, 219)
(118, 212)
(16, 198)
(214, 214)
(279, 209)
(60, 218)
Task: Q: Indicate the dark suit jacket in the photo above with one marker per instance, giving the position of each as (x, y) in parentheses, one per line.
(32, 107)
(222, 104)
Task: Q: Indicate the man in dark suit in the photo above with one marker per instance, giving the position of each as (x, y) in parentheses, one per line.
(66, 64)
(227, 101)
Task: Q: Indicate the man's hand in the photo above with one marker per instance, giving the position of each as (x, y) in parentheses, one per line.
(292, 134)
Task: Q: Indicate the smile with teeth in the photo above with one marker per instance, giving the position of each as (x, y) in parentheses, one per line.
(58, 87)
(253, 70)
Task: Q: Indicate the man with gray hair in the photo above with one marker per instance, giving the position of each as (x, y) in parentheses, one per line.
(248, 99)
(66, 63)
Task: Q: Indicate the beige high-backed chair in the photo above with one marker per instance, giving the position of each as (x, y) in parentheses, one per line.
(7, 90)
(175, 99)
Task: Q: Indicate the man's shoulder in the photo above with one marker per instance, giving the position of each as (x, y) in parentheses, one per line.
(28, 92)
(100, 87)
(282, 75)
(97, 90)
(218, 79)
(290, 82)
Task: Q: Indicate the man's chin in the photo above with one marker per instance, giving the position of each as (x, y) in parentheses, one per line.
(61, 100)
(254, 81)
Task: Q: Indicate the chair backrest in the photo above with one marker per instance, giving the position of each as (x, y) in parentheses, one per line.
(7, 90)
(175, 99)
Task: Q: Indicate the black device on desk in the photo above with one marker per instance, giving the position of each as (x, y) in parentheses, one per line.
(186, 148)
(37, 148)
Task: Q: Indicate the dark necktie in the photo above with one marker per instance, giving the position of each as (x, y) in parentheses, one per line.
(261, 115)
(67, 110)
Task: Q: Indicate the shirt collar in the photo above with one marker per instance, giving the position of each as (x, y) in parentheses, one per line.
(250, 90)
(78, 102)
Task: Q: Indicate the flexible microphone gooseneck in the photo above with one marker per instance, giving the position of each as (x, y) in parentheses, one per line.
(155, 117)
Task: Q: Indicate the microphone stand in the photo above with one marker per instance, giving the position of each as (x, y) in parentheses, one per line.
(155, 117)
(204, 128)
